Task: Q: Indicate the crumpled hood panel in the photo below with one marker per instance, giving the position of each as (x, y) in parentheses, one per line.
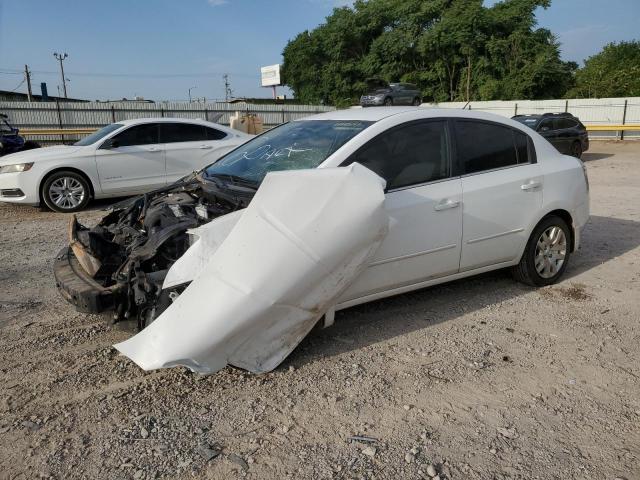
(304, 238)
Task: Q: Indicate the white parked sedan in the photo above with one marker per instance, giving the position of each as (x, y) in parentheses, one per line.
(124, 158)
(234, 265)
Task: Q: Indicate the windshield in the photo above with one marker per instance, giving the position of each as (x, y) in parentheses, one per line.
(5, 127)
(528, 121)
(292, 146)
(98, 134)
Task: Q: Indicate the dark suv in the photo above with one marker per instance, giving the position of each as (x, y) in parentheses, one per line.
(388, 94)
(563, 130)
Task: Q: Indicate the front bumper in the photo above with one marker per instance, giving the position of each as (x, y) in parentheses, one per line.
(367, 101)
(78, 288)
(22, 182)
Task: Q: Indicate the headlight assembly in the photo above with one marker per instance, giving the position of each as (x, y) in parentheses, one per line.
(16, 167)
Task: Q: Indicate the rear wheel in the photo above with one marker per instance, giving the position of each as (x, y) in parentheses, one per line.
(546, 255)
(576, 149)
(416, 102)
(388, 102)
(66, 192)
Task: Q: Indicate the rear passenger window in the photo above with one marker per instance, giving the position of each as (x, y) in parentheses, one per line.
(213, 134)
(408, 155)
(563, 123)
(484, 146)
(182, 132)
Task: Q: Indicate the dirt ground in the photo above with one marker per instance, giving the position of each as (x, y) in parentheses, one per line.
(482, 378)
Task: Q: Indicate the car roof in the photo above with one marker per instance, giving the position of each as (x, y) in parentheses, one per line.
(136, 121)
(374, 114)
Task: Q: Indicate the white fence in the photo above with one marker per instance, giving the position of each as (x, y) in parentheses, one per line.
(601, 111)
(75, 115)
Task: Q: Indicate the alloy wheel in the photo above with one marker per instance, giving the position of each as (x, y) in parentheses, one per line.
(551, 251)
(67, 192)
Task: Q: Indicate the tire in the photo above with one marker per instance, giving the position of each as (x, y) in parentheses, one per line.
(66, 192)
(543, 262)
(576, 149)
(416, 102)
(388, 102)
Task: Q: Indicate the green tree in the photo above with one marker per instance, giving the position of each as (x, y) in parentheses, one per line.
(614, 72)
(452, 49)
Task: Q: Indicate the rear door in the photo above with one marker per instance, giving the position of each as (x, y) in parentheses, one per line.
(192, 146)
(423, 202)
(502, 191)
(132, 161)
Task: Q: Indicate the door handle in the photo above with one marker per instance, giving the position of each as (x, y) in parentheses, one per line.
(206, 147)
(154, 149)
(446, 204)
(531, 185)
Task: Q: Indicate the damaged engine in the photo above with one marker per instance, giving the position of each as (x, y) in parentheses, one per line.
(127, 255)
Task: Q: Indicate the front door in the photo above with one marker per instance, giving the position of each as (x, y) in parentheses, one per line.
(424, 204)
(501, 190)
(133, 161)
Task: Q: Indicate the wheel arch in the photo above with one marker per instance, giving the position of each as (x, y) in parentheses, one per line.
(566, 216)
(92, 191)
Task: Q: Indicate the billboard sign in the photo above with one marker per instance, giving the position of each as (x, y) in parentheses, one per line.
(270, 75)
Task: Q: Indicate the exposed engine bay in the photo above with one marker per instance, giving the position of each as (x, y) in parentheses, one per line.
(120, 264)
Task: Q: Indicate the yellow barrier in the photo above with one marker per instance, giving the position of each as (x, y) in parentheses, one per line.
(57, 131)
(612, 128)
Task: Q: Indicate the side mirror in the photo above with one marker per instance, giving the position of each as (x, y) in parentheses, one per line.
(545, 129)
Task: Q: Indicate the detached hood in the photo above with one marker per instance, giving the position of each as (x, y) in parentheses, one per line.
(41, 154)
(262, 278)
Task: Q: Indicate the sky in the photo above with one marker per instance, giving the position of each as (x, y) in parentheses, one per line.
(158, 49)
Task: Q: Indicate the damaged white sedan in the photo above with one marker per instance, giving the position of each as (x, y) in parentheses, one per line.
(236, 263)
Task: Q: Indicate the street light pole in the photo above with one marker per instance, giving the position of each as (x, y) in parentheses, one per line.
(190, 88)
(60, 58)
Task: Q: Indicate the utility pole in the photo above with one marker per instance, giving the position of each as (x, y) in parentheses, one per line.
(60, 58)
(190, 88)
(27, 76)
(228, 93)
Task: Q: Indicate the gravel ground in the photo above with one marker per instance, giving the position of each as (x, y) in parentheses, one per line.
(481, 378)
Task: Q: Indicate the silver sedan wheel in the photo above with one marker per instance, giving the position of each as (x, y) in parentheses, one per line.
(551, 251)
(66, 192)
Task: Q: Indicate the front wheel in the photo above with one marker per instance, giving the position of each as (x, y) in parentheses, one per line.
(546, 255)
(388, 102)
(66, 192)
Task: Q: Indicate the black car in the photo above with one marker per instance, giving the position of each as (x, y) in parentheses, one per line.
(381, 93)
(563, 130)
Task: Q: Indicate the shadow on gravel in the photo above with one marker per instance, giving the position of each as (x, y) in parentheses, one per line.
(604, 238)
(588, 157)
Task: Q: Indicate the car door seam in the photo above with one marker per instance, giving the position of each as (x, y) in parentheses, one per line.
(413, 255)
(490, 237)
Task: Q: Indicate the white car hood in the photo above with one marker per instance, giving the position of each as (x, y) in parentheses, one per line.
(41, 154)
(263, 277)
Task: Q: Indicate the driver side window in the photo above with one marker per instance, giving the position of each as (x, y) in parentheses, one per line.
(409, 154)
(146, 134)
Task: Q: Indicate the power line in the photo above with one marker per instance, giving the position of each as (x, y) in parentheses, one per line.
(11, 71)
(19, 85)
